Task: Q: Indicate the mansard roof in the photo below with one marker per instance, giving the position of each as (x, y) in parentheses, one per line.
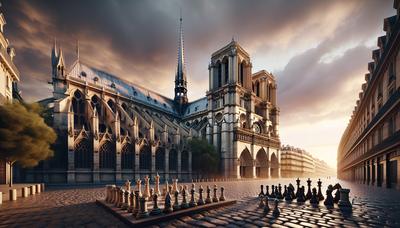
(111, 82)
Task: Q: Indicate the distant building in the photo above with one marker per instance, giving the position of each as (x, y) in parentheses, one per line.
(369, 149)
(9, 76)
(110, 129)
(296, 162)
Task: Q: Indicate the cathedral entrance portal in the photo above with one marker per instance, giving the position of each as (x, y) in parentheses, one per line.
(246, 164)
(262, 164)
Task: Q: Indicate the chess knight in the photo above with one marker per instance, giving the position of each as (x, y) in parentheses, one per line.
(111, 129)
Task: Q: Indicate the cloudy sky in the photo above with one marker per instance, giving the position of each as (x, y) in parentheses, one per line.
(318, 50)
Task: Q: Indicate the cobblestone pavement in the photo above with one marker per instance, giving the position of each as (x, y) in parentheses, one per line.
(75, 207)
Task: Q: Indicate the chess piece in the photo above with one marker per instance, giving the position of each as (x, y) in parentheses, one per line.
(267, 190)
(175, 185)
(329, 198)
(344, 201)
(117, 196)
(139, 186)
(184, 203)
(298, 187)
(164, 191)
(146, 192)
(276, 192)
(143, 213)
(285, 191)
(176, 202)
(319, 194)
(266, 206)
(156, 210)
(128, 185)
(215, 198)
(136, 208)
(157, 185)
(314, 198)
(276, 211)
(192, 202)
(309, 194)
(200, 201)
(337, 193)
(125, 205)
(279, 195)
(167, 204)
(292, 195)
(208, 198)
(272, 195)
(261, 194)
(121, 197)
(131, 201)
(222, 196)
(166, 188)
(261, 204)
(288, 196)
(301, 198)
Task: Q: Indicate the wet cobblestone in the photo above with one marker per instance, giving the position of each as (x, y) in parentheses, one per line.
(75, 207)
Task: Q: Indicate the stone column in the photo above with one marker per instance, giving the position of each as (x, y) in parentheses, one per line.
(137, 168)
(254, 169)
(179, 164)
(96, 161)
(373, 176)
(233, 76)
(118, 175)
(70, 149)
(387, 171)
(190, 165)
(166, 165)
(210, 76)
(153, 161)
(224, 142)
(223, 73)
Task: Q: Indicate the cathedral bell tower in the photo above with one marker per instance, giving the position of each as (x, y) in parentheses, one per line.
(180, 78)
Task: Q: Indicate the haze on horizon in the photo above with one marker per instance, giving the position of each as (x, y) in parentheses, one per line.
(317, 50)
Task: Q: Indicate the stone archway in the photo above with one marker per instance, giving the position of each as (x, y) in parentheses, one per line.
(262, 164)
(274, 165)
(245, 164)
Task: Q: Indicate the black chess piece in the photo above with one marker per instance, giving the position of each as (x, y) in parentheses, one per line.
(292, 195)
(131, 202)
(215, 198)
(276, 211)
(143, 213)
(167, 204)
(285, 191)
(329, 198)
(200, 201)
(337, 193)
(301, 198)
(309, 194)
(314, 198)
(176, 201)
(222, 196)
(266, 206)
(261, 194)
(288, 196)
(136, 208)
(156, 210)
(261, 204)
(298, 187)
(272, 195)
(279, 195)
(267, 191)
(184, 203)
(192, 202)
(319, 194)
(208, 198)
(276, 192)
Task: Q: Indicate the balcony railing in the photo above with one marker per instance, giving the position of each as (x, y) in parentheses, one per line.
(246, 135)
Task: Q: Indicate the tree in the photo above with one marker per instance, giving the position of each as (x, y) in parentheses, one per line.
(207, 159)
(24, 136)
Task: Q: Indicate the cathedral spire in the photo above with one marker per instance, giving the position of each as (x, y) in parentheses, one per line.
(180, 77)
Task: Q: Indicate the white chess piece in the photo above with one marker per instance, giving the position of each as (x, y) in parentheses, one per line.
(175, 186)
(128, 185)
(157, 185)
(139, 186)
(146, 192)
(166, 188)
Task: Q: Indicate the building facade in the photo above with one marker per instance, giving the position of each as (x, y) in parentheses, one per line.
(369, 149)
(9, 76)
(110, 129)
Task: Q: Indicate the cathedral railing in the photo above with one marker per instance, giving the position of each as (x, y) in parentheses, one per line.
(245, 135)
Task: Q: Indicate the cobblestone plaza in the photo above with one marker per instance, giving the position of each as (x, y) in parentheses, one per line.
(75, 207)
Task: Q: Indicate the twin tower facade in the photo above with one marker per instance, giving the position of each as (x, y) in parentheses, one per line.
(110, 129)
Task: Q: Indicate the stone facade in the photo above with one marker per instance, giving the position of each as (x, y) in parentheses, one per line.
(9, 76)
(110, 129)
(369, 149)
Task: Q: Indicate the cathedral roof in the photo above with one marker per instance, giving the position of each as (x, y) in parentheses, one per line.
(196, 106)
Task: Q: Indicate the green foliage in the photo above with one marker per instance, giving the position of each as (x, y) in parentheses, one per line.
(205, 160)
(24, 136)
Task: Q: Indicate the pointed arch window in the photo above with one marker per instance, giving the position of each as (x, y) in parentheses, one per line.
(107, 155)
(145, 158)
(127, 156)
(78, 107)
(83, 154)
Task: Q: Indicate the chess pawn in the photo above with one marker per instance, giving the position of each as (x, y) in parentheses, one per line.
(222, 196)
(261, 204)
(267, 190)
(344, 201)
(280, 192)
(167, 204)
(176, 202)
(128, 185)
(314, 198)
(215, 198)
(319, 194)
(301, 198)
(157, 185)
(131, 201)
(276, 192)
(298, 187)
(125, 205)
(266, 206)
(272, 195)
(208, 198)
(175, 185)
(139, 186)
(200, 201)
(276, 211)
(192, 202)
(329, 198)
(184, 203)
(261, 194)
(136, 208)
(309, 194)
(146, 192)
(288, 196)
(285, 191)
(121, 197)
(292, 195)
(143, 213)
(170, 189)
(156, 210)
